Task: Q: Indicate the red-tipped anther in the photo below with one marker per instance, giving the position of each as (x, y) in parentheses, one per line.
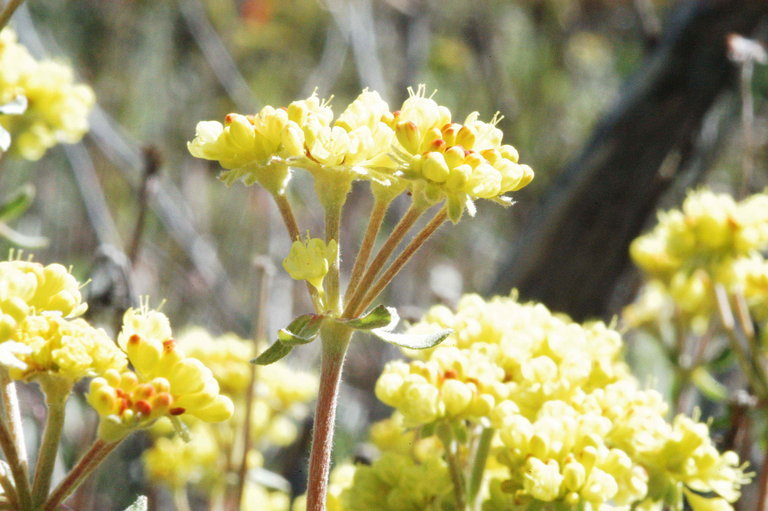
(134, 339)
(145, 391)
(450, 374)
(120, 393)
(168, 345)
(438, 145)
(176, 411)
(229, 118)
(143, 407)
(163, 400)
(123, 405)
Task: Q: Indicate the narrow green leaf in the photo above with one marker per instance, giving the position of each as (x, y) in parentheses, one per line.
(22, 240)
(301, 330)
(708, 385)
(139, 505)
(412, 341)
(17, 203)
(272, 354)
(380, 317)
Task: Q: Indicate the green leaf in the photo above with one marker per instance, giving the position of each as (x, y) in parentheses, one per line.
(708, 385)
(302, 330)
(272, 354)
(380, 317)
(412, 341)
(23, 240)
(139, 505)
(18, 202)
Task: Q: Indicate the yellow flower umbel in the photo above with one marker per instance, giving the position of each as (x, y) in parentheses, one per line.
(564, 423)
(254, 149)
(57, 109)
(165, 382)
(38, 307)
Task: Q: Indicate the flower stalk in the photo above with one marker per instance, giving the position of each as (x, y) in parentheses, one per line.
(18, 470)
(375, 221)
(56, 395)
(98, 451)
(410, 217)
(335, 340)
(402, 258)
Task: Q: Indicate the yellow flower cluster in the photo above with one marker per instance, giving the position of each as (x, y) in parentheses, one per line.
(39, 306)
(711, 239)
(572, 427)
(164, 382)
(57, 109)
(417, 147)
(281, 395)
(397, 482)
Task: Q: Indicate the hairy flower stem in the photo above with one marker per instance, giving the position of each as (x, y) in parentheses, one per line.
(379, 211)
(396, 236)
(18, 470)
(454, 469)
(335, 340)
(400, 261)
(287, 213)
(8, 11)
(87, 464)
(13, 415)
(479, 461)
(55, 399)
(332, 232)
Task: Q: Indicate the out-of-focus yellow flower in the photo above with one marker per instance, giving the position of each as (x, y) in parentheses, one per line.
(227, 356)
(57, 109)
(38, 307)
(28, 288)
(572, 427)
(176, 462)
(165, 381)
(310, 260)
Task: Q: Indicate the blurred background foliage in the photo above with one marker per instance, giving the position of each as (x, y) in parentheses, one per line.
(550, 67)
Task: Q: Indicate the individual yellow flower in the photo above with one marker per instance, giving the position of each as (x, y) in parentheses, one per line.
(57, 109)
(310, 260)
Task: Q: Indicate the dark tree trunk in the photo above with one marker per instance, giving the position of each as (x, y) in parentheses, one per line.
(575, 248)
